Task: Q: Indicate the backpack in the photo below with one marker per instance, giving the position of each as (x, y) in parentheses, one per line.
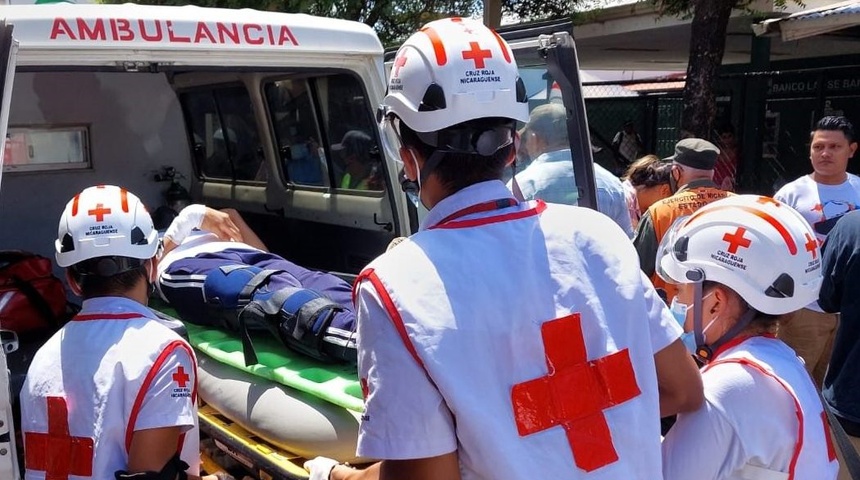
(31, 298)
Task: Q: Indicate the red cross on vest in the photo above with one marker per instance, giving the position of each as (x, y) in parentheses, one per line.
(476, 54)
(811, 243)
(737, 240)
(180, 377)
(99, 212)
(57, 453)
(399, 62)
(574, 393)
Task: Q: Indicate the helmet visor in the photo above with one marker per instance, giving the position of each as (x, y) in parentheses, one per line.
(671, 252)
(389, 132)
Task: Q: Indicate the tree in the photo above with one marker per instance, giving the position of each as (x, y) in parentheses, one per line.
(710, 19)
(393, 20)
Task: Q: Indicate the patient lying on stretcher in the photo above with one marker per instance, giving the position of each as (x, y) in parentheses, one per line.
(215, 271)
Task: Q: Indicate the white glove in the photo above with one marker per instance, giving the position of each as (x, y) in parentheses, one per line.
(320, 468)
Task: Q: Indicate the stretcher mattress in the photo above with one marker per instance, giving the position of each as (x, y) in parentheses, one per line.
(298, 422)
(335, 383)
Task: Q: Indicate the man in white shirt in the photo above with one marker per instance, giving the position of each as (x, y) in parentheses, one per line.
(822, 197)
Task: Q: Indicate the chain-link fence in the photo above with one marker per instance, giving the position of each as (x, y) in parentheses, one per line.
(630, 119)
(769, 116)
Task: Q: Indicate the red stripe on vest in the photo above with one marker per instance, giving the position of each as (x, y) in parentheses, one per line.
(150, 376)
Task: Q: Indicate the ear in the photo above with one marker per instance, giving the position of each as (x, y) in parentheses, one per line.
(410, 163)
(73, 285)
(853, 147)
(722, 296)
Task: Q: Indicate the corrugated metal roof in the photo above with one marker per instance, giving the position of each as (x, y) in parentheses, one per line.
(812, 22)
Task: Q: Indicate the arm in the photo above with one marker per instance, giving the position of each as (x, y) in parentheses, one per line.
(152, 448)
(645, 241)
(246, 234)
(838, 262)
(204, 218)
(678, 380)
(444, 466)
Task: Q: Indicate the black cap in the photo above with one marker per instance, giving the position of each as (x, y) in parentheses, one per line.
(695, 153)
(354, 142)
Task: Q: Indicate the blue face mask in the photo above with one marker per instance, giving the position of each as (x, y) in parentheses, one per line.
(679, 311)
(689, 341)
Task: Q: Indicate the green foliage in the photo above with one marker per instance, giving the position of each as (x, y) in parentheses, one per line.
(393, 20)
(684, 8)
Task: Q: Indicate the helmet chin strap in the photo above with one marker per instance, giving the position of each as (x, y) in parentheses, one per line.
(515, 187)
(706, 352)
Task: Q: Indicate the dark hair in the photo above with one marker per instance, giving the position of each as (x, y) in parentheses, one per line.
(836, 123)
(98, 286)
(725, 128)
(457, 171)
(648, 171)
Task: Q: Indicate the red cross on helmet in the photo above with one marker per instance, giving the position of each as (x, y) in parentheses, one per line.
(759, 247)
(105, 221)
(451, 71)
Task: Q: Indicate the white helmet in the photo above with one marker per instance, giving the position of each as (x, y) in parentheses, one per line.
(105, 221)
(759, 247)
(451, 71)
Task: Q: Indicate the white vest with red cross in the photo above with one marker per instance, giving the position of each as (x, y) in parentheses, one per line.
(115, 368)
(532, 322)
(810, 450)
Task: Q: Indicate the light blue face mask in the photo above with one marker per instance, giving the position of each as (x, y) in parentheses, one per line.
(679, 311)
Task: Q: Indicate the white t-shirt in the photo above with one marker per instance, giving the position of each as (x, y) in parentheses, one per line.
(750, 421)
(472, 307)
(821, 205)
(112, 370)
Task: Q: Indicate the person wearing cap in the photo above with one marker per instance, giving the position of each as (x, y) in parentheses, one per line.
(822, 197)
(505, 339)
(740, 264)
(691, 181)
(359, 164)
(550, 175)
(113, 394)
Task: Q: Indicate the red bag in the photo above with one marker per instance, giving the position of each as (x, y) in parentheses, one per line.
(31, 297)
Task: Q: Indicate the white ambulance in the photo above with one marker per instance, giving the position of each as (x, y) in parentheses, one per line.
(231, 108)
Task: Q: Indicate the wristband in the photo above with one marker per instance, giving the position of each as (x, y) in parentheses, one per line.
(189, 218)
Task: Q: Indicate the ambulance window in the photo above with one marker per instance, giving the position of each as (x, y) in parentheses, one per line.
(45, 148)
(296, 133)
(350, 128)
(224, 136)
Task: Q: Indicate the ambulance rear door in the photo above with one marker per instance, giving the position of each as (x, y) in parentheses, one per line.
(8, 342)
(548, 63)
